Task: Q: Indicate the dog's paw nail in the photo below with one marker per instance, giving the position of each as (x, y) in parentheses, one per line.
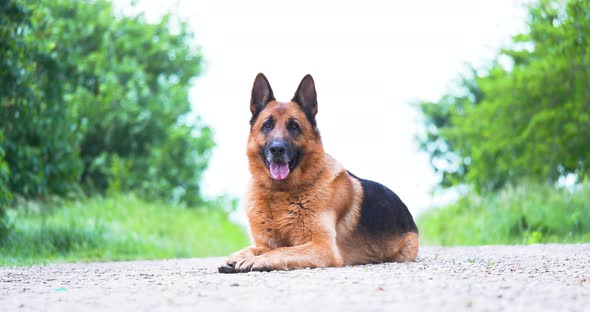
(226, 268)
(243, 266)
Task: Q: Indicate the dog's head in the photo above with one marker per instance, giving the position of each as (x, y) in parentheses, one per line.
(284, 140)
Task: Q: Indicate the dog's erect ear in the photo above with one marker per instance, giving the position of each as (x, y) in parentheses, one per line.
(306, 96)
(261, 94)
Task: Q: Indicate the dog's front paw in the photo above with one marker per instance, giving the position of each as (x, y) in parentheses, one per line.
(227, 267)
(230, 264)
(259, 264)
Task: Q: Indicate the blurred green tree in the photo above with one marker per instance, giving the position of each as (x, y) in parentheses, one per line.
(528, 116)
(40, 140)
(91, 97)
(132, 81)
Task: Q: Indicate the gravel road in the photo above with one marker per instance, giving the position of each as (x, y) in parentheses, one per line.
(511, 278)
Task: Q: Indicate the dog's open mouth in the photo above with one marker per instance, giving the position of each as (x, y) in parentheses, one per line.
(280, 170)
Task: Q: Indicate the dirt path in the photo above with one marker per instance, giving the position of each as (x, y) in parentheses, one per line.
(532, 278)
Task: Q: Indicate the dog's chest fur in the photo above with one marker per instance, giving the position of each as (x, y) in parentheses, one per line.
(285, 219)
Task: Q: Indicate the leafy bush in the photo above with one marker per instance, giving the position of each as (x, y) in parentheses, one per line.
(5, 194)
(525, 214)
(116, 228)
(523, 120)
(171, 171)
(40, 137)
(528, 116)
(89, 98)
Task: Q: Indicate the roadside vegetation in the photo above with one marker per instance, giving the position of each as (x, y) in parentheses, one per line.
(119, 227)
(511, 133)
(95, 103)
(527, 214)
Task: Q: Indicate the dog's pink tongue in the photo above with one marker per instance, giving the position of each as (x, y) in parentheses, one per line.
(279, 171)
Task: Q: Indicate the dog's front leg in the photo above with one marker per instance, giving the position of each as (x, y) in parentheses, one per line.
(321, 251)
(308, 255)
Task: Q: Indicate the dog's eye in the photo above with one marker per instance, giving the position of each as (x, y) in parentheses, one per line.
(267, 125)
(293, 126)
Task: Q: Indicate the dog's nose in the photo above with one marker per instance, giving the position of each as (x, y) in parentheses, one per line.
(278, 148)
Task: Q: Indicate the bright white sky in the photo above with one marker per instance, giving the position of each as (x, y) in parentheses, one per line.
(370, 61)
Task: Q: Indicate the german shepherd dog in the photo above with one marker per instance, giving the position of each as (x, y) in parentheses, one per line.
(305, 210)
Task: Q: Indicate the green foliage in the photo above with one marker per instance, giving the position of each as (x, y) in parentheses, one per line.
(526, 119)
(5, 194)
(116, 228)
(89, 98)
(134, 80)
(525, 214)
(40, 139)
(176, 165)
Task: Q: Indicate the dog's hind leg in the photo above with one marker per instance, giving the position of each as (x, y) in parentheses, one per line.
(405, 249)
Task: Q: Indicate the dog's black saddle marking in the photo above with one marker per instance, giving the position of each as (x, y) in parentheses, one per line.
(382, 211)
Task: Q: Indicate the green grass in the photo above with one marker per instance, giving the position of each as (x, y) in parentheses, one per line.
(116, 228)
(523, 215)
